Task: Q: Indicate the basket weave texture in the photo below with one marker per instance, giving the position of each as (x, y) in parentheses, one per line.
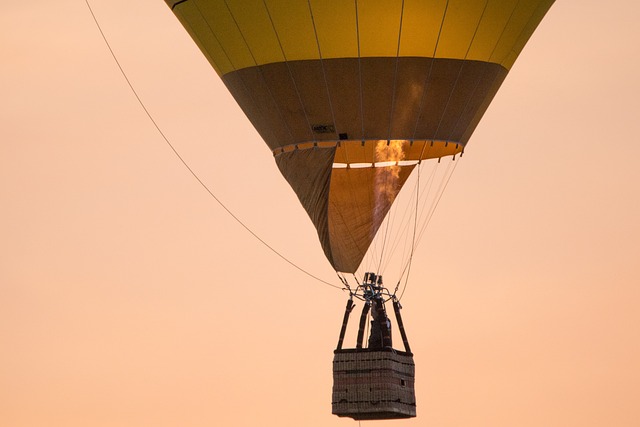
(370, 385)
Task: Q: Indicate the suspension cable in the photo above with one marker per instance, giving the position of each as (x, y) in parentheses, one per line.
(407, 268)
(191, 171)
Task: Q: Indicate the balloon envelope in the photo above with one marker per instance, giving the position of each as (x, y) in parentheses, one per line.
(351, 95)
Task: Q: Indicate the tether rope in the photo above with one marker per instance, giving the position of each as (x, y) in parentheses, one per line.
(155, 124)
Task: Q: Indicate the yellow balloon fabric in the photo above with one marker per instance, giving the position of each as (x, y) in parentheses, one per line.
(351, 94)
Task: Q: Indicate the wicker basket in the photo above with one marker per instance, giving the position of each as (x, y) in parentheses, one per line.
(373, 384)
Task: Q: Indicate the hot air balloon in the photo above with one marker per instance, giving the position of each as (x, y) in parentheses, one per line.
(352, 96)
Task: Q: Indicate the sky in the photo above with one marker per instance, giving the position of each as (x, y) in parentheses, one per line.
(129, 297)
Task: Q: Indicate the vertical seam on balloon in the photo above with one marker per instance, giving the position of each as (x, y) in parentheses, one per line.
(466, 105)
(360, 72)
(455, 83)
(517, 38)
(486, 71)
(360, 92)
(286, 62)
(324, 74)
(427, 79)
(199, 41)
(395, 73)
(495, 77)
(260, 72)
(232, 64)
(540, 5)
(393, 95)
(332, 113)
(213, 33)
(326, 83)
(506, 24)
(310, 128)
(369, 201)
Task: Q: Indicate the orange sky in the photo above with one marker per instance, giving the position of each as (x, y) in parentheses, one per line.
(129, 298)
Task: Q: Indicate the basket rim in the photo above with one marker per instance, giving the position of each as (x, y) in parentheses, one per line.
(367, 350)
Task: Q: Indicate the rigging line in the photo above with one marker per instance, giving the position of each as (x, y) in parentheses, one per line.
(420, 209)
(415, 223)
(394, 232)
(406, 282)
(426, 199)
(384, 239)
(441, 193)
(419, 200)
(367, 334)
(428, 194)
(388, 230)
(345, 283)
(155, 124)
(431, 207)
(396, 224)
(410, 261)
(407, 241)
(424, 226)
(391, 212)
(406, 279)
(398, 229)
(414, 240)
(406, 247)
(356, 280)
(406, 219)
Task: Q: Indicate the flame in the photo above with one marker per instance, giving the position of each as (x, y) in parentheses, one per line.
(387, 177)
